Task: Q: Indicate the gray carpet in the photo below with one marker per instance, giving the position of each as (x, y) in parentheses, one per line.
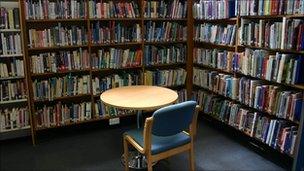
(101, 148)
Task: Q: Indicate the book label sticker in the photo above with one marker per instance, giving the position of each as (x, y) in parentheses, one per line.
(114, 121)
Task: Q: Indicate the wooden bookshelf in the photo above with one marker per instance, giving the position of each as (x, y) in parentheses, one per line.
(274, 50)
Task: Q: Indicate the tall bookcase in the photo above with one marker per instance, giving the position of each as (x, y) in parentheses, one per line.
(233, 80)
(15, 115)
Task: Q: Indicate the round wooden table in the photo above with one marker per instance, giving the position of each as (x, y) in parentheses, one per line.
(138, 98)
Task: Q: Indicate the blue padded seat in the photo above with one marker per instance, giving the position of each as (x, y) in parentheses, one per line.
(160, 143)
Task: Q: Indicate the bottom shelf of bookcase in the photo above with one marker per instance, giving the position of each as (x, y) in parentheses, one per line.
(15, 133)
(282, 159)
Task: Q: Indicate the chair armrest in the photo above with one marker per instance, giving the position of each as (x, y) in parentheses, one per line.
(147, 135)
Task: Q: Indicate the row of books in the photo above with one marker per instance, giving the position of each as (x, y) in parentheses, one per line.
(60, 61)
(287, 34)
(60, 87)
(113, 9)
(165, 9)
(102, 111)
(211, 10)
(182, 95)
(217, 34)
(165, 31)
(276, 133)
(11, 68)
(10, 43)
(60, 9)
(9, 18)
(61, 114)
(12, 90)
(14, 118)
(281, 68)
(173, 77)
(270, 7)
(58, 36)
(254, 93)
(155, 55)
(116, 58)
(115, 32)
(101, 84)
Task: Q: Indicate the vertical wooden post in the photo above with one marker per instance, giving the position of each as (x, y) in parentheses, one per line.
(190, 44)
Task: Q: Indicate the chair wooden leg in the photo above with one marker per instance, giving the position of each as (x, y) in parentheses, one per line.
(191, 158)
(149, 163)
(126, 154)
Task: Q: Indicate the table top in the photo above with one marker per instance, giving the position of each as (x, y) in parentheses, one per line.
(139, 97)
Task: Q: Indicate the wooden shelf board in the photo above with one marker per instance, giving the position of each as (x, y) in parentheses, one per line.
(54, 20)
(57, 47)
(229, 47)
(12, 78)
(223, 20)
(11, 55)
(115, 19)
(166, 65)
(116, 44)
(273, 50)
(245, 106)
(114, 69)
(164, 42)
(272, 16)
(10, 30)
(15, 129)
(63, 98)
(13, 101)
(165, 19)
(50, 74)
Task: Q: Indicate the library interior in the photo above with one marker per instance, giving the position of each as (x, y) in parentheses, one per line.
(152, 85)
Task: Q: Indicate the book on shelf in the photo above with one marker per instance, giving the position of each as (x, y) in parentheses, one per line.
(212, 10)
(11, 90)
(116, 58)
(9, 18)
(269, 7)
(113, 9)
(115, 32)
(60, 9)
(11, 68)
(285, 34)
(60, 35)
(176, 9)
(10, 43)
(62, 113)
(101, 84)
(172, 77)
(271, 99)
(182, 95)
(275, 133)
(103, 111)
(52, 62)
(217, 34)
(69, 85)
(155, 55)
(14, 118)
(165, 31)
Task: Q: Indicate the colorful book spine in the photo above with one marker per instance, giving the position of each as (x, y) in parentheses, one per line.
(11, 68)
(116, 58)
(61, 87)
(52, 62)
(287, 34)
(164, 9)
(104, 111)
(115, 32)
(60, 9)
(116, 80)
(10, 43)
(217, 34)
(253, 93)
(113, 9)
(173, 77)
(9, 18)
(155, 55)
(13, 119)
(212, 10)
(165, 31)
(276, 133)
(62, 114)
(269, 7)
(12, 90)
(58, 36)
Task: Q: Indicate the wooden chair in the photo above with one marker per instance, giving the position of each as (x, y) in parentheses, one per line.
(164, 134)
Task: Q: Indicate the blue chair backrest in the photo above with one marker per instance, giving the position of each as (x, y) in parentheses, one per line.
(173, 119)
